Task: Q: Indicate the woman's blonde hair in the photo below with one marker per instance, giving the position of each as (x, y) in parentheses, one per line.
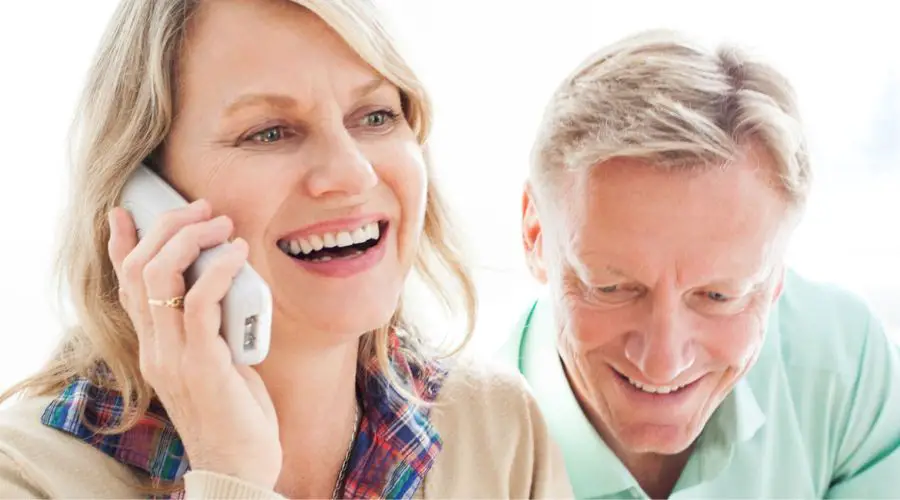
(661, 97)
(125, 114)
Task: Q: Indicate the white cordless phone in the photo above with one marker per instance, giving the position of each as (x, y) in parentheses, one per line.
(246, 308)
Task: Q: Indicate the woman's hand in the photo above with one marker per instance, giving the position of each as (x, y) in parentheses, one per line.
(222, 412)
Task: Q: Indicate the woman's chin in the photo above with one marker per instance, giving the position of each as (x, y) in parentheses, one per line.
(336, 310)
(322, 328)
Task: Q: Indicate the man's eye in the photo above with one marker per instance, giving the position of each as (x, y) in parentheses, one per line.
(613, 294)
(717, 297)
(720, 304)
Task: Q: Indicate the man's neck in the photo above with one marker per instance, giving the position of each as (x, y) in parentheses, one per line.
(656, 474)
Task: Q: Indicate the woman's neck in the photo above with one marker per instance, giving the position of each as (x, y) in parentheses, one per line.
(314, 395)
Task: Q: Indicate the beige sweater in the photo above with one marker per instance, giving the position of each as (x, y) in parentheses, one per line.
(496, 445)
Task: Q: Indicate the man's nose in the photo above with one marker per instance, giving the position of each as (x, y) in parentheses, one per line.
(665, 348)
(338, 167)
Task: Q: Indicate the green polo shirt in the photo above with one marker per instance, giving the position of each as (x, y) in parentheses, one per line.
(818, 416)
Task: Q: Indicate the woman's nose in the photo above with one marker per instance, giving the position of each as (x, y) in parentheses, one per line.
(339, 167)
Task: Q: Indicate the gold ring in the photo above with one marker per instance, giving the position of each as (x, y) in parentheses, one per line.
(174, 302)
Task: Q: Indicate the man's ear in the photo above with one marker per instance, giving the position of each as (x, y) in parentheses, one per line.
(779, 285)
(532, 236)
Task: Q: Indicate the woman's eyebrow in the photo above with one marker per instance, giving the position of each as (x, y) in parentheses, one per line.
(286, 101)
(250, 100)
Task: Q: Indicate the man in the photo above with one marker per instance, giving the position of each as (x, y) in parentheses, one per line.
(673, 354)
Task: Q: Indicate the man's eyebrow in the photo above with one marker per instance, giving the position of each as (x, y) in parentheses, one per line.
(585, 273)
(749, 284)
(616, 271)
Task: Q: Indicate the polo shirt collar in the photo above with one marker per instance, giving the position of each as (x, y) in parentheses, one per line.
(594, 470)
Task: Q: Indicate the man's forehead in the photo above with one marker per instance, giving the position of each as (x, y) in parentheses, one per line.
(593, 249)
(628, 197)
(602, 275)
(647, 266)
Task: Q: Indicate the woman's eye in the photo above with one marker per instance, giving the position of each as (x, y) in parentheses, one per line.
(269, 135)
(379, 118)
(608, 289)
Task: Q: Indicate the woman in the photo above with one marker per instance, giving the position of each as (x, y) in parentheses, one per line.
(293, 128)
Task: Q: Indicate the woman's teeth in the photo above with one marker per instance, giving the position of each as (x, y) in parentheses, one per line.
(655, 389)
(312, 243)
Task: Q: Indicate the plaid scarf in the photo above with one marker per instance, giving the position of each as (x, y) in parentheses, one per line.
(394, 449)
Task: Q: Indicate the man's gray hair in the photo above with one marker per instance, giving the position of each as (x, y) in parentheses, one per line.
(660, 97)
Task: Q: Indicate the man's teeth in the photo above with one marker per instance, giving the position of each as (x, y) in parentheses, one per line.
(654, 389)
(316, 242)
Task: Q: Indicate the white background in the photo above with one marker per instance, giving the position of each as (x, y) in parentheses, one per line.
(491, 65)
